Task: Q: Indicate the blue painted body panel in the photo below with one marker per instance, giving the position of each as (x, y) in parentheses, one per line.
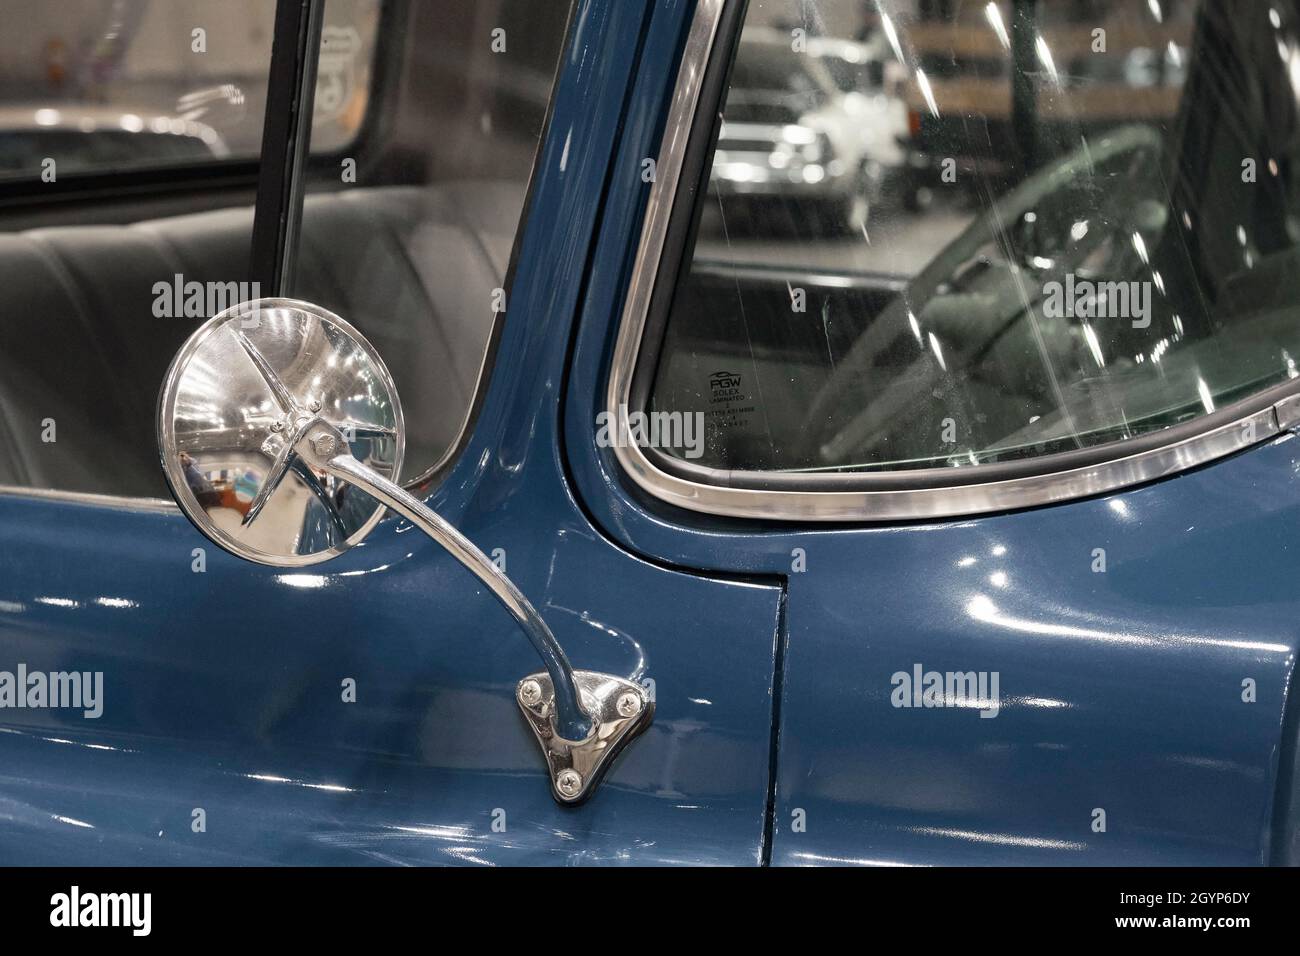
(223, 689)
(1122, 691)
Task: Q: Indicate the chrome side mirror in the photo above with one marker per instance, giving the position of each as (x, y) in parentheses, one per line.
(281, 437)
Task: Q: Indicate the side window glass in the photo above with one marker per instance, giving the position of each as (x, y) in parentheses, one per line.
(407, 230)
(951, 234)
(105, 87)
(130, 134)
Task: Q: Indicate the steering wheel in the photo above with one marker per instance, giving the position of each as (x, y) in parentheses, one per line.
(849, 411)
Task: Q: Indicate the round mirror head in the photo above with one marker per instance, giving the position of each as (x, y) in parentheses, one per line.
(236, 407)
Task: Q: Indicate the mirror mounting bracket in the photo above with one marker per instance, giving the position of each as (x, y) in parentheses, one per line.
(619, 710)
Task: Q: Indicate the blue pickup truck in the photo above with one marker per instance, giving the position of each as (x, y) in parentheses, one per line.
(458, 468)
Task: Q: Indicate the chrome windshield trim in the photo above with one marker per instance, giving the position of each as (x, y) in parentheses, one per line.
(719, 492)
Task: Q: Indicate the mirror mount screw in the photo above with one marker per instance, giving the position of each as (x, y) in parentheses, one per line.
(569, 783)
(530, 692)
(629, 704)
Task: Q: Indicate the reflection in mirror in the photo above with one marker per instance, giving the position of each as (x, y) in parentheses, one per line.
(238, 402)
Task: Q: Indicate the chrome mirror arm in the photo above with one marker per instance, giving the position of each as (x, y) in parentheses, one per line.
(570, 720)
(276, 391)
(581, 719)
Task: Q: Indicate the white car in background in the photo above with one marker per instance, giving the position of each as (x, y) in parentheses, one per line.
(785, 137)
(870, 81)
(791, 131)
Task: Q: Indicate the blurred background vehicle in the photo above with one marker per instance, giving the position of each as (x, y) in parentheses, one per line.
(870, 81)
(790, 132)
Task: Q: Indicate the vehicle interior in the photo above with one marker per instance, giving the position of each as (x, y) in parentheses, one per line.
(1198, 209)
(409, 251)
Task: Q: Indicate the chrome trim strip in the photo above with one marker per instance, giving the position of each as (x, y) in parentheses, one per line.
(728, 496)
(954, 501)
(807, 276)
(1288, 413)
(120, 502)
